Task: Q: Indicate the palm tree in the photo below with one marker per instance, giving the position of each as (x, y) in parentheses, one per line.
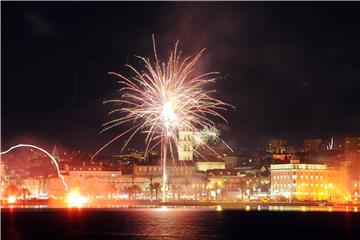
(151, 185)
(173, 189)
(206, 181)
(157, 187)
(225, 189)
(136, 189)
(187, 183)
(129, 192)
(242, 187)
(24, 192)
(112, 190)
(133, 191)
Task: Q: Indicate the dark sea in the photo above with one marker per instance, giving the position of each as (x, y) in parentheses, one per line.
(176, 223)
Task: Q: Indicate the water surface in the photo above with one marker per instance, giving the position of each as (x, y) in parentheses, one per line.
(176, 223)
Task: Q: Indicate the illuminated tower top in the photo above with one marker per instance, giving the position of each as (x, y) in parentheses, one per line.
(55, 154)
(185, 146)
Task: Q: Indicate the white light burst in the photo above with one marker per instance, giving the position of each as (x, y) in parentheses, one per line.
(163, 99)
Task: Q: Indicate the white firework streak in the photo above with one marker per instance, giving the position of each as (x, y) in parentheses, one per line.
(44, 151)
(163, 99)
(207, 135)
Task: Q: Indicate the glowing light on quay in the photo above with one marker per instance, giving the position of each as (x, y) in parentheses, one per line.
(11, 199)
(219, 208)
(44, 151)
(74, 198)
(163, 209)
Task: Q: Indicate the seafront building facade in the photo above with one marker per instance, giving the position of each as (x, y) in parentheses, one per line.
(309, 182)
(240, 176)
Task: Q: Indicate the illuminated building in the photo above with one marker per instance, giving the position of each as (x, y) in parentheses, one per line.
(55, 154)
(236, 184)
(288, 149)
(132, 155)
(355, 191)
(257, 186)
(185, 146)
(182, 180)
(338, 183)
(313, 145)
(296, 181)
(92, 179)
(352, 144)
(36, 185)
(179, 169)
(299, 181)
(275, 145)
(224, 184)
(209, 165)
(4, 178)
(282, 156)
(231, 161)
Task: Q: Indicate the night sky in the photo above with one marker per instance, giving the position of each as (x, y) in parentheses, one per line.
(291, 69)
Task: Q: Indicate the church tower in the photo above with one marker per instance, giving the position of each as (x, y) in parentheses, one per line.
(185, 146)
(55, 154)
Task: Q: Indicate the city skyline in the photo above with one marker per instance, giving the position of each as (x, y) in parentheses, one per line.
(296, 80)
(180, 120)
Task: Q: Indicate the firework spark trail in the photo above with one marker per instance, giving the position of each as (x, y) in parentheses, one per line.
(227, 145)
(206, 135)
(163, 99)
(44, 151)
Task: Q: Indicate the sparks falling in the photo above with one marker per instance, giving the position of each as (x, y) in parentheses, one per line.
(163, 99)
(206, 136)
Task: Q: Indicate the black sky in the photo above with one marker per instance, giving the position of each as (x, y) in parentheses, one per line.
(291, 69)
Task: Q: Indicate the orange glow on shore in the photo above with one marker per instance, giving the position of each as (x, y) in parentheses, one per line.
(11, 199)
(74, 198)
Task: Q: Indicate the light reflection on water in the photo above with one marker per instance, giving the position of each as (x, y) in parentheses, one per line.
(197, 208)
(216, 222)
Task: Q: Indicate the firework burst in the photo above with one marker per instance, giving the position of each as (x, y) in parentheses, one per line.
(163, 99)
